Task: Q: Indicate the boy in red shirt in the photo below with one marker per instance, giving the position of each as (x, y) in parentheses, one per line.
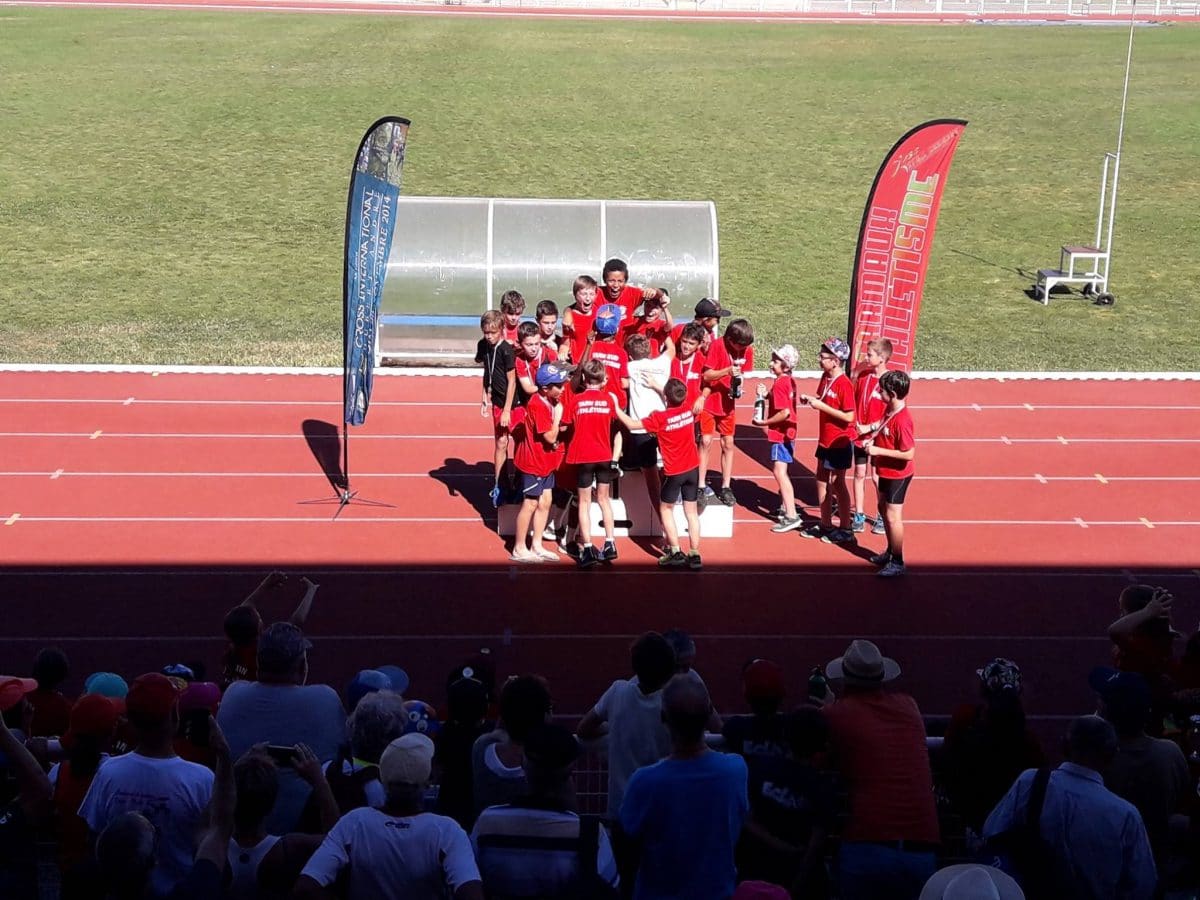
(538, 455)
(708, 316)
(546, 315)
(530, 356)
(724, 363)
(891, 453)
(780, 421)
(869, 406)
(591, 414)
(499, 387)
(626, 297)
(675, 429)
(578, 318)
(655, 324)
(602, 346)
(512, 304)
(834, 400)
(688, 364)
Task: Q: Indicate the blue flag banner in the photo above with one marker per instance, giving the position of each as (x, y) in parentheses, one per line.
(370, 223)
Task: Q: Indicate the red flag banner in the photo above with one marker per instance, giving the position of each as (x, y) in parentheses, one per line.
(896, 237)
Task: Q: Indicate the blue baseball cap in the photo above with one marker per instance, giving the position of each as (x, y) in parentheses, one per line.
(397, 676)
(608, 319)
(553, 373)
(368, 681)
(107, 684)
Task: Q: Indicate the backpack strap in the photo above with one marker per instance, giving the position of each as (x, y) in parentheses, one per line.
(1037, 799)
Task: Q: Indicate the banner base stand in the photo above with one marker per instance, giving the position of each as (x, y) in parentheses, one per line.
(345, 497)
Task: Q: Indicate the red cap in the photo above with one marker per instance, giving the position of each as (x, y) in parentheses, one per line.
(13, 690)
(93, 715)
(763, 679)
(152, 696)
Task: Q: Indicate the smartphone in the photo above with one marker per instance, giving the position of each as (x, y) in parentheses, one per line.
(194, 725)
(282, 755)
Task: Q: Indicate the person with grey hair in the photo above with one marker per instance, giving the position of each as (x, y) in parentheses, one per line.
(399, 852)
(686, 811)
(282, 709)
(1096, 842)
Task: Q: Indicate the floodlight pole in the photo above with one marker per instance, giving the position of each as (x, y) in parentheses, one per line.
(1112, 207)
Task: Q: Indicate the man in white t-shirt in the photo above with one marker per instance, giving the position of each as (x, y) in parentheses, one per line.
(170, 792)
(647, 377)
(398, 852)
(630, 713)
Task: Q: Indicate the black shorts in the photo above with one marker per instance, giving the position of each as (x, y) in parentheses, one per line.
(685, 485)
(836, 459)
(595, 473)
(892, 490)
(640, 452)
(860, 456)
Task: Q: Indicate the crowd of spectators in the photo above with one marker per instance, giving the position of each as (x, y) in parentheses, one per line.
(262, 785)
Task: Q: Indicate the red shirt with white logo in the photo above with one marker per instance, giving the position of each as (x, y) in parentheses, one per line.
(527, 368)
(591, 415)
(896, 434)
(677, 334)
(575, 333)
(676, 430)
(616, 363)
(719, 402)
(782, 396)
(534, 456)
(628, 301)
(656, 332)
(838, 393)
(869, 405)
(689, 371)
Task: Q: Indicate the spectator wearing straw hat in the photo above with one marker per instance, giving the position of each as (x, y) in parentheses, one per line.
(971, 882)
(398, 852)
(280, 708)
(171, 793)
(891, 836)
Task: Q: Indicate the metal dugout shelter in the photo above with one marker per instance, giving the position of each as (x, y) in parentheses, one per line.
(452, 258)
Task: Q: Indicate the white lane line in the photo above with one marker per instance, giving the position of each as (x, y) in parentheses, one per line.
(1040, 477)
(11, 520)
(1146, 522)
(1029, 406)
(1100, 478)
(57, 473)
(95, 434)
(128, 401)
(476, 520)
(1005, 440)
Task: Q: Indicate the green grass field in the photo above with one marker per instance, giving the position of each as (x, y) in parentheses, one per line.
(172, 185)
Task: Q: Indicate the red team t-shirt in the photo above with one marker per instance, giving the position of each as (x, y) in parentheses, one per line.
(676, 433)
(527, 368)
(534, 456)
(509, 334)
(720, 403)
(616, 363)
(656, 333)
(869, 405)
(629, 300)
(838, 393)
(782, 396)
(689, 371)
(581, 326)
(896, 434)
(591, 414)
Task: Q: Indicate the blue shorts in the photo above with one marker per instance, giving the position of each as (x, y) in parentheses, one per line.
(533, 486)
(784, 452)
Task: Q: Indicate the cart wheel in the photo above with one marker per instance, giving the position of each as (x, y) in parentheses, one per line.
(1089, 289)
(1105, 299)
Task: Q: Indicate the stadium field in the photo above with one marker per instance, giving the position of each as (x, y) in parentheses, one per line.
(172, 184)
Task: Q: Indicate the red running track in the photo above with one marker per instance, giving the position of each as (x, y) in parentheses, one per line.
(136, 508)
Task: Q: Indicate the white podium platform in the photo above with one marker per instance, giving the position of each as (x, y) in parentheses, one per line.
(633, 515)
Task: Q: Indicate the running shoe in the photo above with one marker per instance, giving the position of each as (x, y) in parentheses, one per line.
(781, 514)
(693, 560)
(786, 524)
(727, 497)
(881, 559)
(672, 559)
(609, 553)
(588, 558)
(838, 536)
(859, 523)
(547, 554)
(573, 550)
(495, 495)
(878, 527)
(814, 530)
(891, 570)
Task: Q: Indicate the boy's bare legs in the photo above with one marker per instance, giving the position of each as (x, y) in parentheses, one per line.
(824, 497)
(666, 512)
(726, 461)
(603, 497)
(842, 492)
(618, 444)
(860, 486)
(653, 487)
(705, 446)
(692, 514)
(525, 515)
(787, 495)
(540, 516)
(501, 455)
(583, 536)
(893, 521)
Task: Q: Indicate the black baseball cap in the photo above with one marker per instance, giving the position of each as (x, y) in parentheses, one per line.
(711, 309)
